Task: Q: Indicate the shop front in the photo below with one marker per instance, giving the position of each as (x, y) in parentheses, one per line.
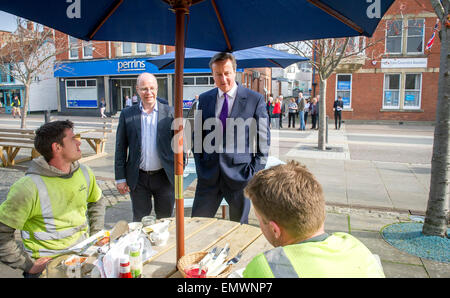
(7, 93)
(82, 84)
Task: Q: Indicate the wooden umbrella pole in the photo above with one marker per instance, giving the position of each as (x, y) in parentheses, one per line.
(178, 144)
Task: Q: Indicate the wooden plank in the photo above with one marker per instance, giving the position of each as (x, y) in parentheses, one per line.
(242, 238)
(199, 234)
(10, 144)
(18, 130)
(13, 141)
(16, 135)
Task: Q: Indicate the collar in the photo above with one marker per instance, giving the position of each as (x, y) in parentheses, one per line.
(155, 108)
(231, 93)
(318, 238)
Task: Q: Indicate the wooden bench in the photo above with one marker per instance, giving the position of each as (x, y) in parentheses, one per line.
(95, 134)
(12, 140)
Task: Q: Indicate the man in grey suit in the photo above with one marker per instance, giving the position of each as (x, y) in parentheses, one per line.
(144, 162)
(228, 161)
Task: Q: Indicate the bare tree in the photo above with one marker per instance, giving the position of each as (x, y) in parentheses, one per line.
(28, 53)
(437, 214)
(328, 54)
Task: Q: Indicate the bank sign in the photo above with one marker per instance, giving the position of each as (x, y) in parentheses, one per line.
(112, 67)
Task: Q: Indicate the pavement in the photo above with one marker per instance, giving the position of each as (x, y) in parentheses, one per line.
(363, 195)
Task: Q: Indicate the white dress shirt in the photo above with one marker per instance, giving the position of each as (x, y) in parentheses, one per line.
(149, 154)
(220, 99)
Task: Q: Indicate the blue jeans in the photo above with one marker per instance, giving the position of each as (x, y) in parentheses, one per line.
(301, 115)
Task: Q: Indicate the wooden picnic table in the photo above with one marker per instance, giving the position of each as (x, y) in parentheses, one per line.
(202, 234)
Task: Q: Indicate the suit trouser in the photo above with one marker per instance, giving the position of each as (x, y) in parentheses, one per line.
(337, 115)
(208, 198)
(155, 185)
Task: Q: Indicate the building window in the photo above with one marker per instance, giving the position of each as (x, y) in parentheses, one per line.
(202, 81)
(126, 48)
(141, 48)
(414, 42)
(391, 97)
(412, 90)
(190, 81)
(73, 48)
(154, 49)
(87, 49)
(344, 89)
(81, 93)
(198, 81)
(394, 36)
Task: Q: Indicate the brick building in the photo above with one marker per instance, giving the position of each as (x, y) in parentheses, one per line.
(397, 79)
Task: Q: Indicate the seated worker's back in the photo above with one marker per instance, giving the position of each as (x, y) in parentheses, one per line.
(290, 208)
(337, 255)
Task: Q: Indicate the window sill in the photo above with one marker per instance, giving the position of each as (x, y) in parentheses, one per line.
(403, 110)
(400, 55)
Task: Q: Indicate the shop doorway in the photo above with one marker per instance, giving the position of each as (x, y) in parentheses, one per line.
(124, 91)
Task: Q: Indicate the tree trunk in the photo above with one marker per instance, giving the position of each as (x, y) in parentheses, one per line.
(321, 142)
(23, 122)
(437, 214)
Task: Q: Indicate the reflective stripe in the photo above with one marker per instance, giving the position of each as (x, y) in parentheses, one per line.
(279, 263)
(46, 206)
(87, 177)
(56, 235)
(49, 252)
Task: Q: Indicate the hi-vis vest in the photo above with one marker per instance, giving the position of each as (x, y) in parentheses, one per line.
(53, 236)
(337, 255)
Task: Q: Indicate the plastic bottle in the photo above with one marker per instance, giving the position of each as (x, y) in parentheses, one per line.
(136, 260)
(124, 269)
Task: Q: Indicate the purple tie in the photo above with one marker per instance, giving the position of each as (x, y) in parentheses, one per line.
(224, 112)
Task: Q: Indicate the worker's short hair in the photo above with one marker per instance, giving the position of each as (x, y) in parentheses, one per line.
(289, 195)
(49, 133)
(223, 57)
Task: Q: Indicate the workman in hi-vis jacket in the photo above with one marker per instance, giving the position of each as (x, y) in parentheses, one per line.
(290, 207)
(50, 203)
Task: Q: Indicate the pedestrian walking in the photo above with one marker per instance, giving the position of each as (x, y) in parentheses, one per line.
(293, 108)
(338, 107)
(102, 107)
(16, 106)
(313, 110)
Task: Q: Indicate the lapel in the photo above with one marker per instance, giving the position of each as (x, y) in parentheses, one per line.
(210, 111)
(137, 114)
(239, 102)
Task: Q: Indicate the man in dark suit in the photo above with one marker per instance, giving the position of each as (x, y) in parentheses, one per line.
(144, 162)
(225, 164)
(338, 107)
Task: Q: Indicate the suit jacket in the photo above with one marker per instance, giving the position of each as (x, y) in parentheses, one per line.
(234, 167)
(129, 143)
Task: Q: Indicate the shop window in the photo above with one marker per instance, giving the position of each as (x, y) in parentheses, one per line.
(412, 91)
(391, 97)
(394, 36)
(344, 88)
(188, 81)
(81, 93)
(414, 43)
(202, 81)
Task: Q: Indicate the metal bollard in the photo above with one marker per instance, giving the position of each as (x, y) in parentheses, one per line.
(326, 128)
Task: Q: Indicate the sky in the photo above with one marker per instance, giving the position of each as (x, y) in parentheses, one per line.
(7, 21)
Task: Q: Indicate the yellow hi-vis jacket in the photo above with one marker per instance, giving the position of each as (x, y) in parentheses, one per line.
(337, 255)
(51, 211)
